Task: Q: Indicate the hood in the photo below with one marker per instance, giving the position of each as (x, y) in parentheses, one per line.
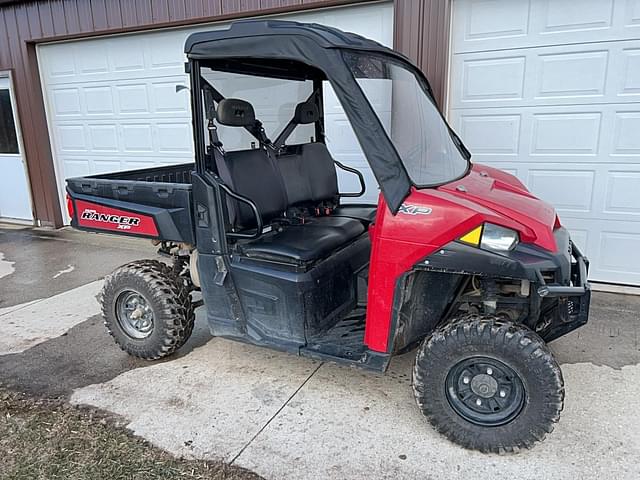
(505, 195)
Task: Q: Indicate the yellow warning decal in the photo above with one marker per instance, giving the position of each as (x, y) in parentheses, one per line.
(473, 237)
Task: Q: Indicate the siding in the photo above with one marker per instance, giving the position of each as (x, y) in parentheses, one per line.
(421, 33)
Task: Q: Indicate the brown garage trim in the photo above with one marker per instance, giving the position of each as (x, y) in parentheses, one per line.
(421, 32)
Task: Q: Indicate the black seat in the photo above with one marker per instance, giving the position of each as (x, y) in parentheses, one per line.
(364, 213)
(306, 242)
(309, 172)
(251, 174)
(254, 175)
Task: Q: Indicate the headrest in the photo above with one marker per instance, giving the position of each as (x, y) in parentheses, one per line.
(234, 112)
(306, 112)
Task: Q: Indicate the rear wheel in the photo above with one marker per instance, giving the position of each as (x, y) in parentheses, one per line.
(488, 384)
(147, 309)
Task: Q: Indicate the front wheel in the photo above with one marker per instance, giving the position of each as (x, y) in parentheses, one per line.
(488, 384)
(147, 309)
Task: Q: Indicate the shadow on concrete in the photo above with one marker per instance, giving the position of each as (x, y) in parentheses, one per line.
(85, 355)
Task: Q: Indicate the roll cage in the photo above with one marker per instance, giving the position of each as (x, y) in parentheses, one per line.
(295, 51)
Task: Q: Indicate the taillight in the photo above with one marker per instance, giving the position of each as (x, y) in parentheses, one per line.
(70, 209)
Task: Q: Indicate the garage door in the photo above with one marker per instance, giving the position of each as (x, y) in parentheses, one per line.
(550, 91)
(112, 103)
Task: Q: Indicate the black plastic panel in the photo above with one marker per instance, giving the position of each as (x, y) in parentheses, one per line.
(278, 306)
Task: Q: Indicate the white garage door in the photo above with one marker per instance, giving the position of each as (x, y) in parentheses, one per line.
(550, 90)
(112, 105)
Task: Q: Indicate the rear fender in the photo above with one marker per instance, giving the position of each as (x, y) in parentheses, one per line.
(125, 218)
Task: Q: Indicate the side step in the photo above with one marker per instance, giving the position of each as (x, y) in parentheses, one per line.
(344, 343)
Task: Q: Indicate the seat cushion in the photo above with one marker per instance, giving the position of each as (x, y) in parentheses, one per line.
(307, 242)
(364, 213)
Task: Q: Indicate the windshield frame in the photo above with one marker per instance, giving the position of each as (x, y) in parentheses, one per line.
(400, 61)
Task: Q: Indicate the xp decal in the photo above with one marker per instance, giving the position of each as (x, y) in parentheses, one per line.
(414, 209)
(100, 217)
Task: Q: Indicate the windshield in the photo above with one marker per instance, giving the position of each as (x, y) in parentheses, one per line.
(412, 121)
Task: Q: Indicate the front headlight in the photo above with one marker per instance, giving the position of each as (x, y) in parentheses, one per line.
(492, 237)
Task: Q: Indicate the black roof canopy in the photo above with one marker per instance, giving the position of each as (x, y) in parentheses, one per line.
(294, 50)
(203, 44)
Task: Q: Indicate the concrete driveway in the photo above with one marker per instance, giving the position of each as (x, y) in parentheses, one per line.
(287, 417)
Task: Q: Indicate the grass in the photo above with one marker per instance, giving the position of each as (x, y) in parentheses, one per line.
(50, 439)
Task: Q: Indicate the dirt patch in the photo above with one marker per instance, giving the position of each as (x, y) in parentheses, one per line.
(46, 439)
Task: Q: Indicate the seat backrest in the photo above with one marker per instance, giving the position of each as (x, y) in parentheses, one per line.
(308, 171)
(309, 174)
(251, 173)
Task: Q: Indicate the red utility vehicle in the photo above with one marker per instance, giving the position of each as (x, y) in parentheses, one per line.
(457, 260)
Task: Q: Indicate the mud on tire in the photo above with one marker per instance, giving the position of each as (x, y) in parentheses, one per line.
(163, 294)
(515, 349)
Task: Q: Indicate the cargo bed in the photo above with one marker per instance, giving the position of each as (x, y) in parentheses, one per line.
(151, 202)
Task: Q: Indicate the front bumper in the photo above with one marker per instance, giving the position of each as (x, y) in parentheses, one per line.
(578, 279)
(569, 300)
(560, 293)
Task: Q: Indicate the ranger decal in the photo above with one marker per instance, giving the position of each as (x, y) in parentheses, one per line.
(101, 217)
(122, 221)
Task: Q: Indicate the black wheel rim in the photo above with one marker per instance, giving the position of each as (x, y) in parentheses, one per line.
(485, 391)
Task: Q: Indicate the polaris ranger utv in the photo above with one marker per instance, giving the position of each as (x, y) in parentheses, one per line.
(457, 259)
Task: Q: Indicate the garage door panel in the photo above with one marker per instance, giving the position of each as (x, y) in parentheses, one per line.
(626, 137)
(622, 196)
(565, 134)
(611, 246)
(103, 138)
(92, 61)
(617, 255)
(129, 138)
(572, 133)
(72, 138)
(115, 58)
(137, 138)
(66, 102)
(569, 191)
(485, 25)
(174, 138)
(490, 134)
(570, 16)
(98, 100)
(589, 191)
(132, 99)
(629, 83)
(165, 99)
(572, 73)
(560, 75)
